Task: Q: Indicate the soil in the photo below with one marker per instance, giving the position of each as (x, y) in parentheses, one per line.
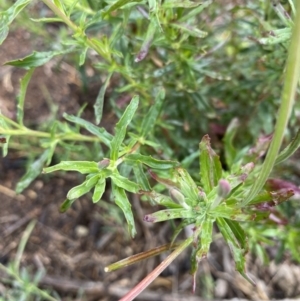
(73, 248)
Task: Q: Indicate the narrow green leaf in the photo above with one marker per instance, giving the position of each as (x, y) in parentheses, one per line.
(141, 177)
(289, 150)
(180, 3)
(196, 11)
(101, 133)
(32, 172)
(205, 238)
(150, 161)
(118, 4)
(47, 20)
(210, 165)
(122, 201)
(79, 166)
(190, 30)
(4, 26)
(153, 26)
(83, 56)
(6, 17)
(60, 5)
(161, 199)
(237, 250)
(230, 151)
(98, 106)
(66, 205)
(188, 187)
(125, 183)
(36, 59)
(168, 214)
(151, 117)
(83, 188)
(99, 190)
(117, 34)
(121, 126)
(238, 232)
(21, 97)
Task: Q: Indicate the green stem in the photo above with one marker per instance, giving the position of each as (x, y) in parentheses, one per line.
(64, 136)
(287, 101)
(89, 42)
(60, 14)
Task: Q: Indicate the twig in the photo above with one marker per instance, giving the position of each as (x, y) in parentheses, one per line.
(32, 214)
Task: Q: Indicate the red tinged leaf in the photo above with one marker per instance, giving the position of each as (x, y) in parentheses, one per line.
(165, 182)
(2, 140)
(282, 185)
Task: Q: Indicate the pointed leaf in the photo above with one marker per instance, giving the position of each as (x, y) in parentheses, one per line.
(82, 189)
(161, 199)
(205, 238)
(151, 117)
(66, 205)
(150, 161)
(196, 11)
(180, 3)
(190, 30)
(98, 190)
(238, 232)
(35, 59)
(98, 106)
(237, 250)
(153, 26)
(118, 4)
(79, 166)
(230, 151)
(141, 177)
(125, 183)
(188, 187)
(21, 97)
(289, 150)
(210, 165)
(101, 133)
(6, 17)
(167, 214)
(121, 200)
(121, 126)
(32, 172)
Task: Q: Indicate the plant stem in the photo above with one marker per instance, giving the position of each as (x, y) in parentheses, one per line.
(89, 42)
(155, 273)
(287, 101)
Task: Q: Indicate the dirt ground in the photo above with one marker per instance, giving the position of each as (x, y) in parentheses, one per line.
(74, 247)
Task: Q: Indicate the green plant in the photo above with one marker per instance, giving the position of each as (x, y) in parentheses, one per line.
(230, 197)
(23, 286)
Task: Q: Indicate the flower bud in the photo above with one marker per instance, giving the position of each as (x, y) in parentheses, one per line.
(223, 188)
(178, 197)
(103, 163)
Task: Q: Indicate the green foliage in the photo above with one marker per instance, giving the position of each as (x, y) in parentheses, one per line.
(166, 57)
(23, 286)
